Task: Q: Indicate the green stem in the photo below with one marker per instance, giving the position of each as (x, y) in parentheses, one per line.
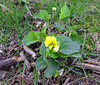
(51, 17)
(59, 27)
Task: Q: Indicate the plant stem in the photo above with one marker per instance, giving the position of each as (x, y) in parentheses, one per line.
(59, 27)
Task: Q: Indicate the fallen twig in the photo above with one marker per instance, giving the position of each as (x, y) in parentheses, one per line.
(9, 61)
(92, 62)
(29, 51)
(6, 62)
(89, 66)
(65, 83)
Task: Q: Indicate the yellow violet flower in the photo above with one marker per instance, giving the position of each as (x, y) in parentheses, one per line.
(51, 42)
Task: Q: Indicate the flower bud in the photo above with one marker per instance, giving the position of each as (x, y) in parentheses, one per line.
(54, 8)
(56, 49)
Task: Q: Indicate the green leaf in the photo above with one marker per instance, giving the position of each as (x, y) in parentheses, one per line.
(53, 34)
(44, 29)
(42, 1)
(67, 46)
(41, 63)
(57, 73)
(42, 35)
(74, 27)
(69, 50)
(77, 55)
(30, 38)
(57, 25)
(74, 33)
(64, 12)
(77, 38)
(52, 54)
(63, 39)
(51, 69)
(19, 44)
(43, 14)
(42, 49)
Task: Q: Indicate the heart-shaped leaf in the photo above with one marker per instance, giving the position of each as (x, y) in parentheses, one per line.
(30, 38)
(42, 49)
(51, 69)
(52, 54)
(41, 62)
(64, 12)
(67, 46)
(43, 14)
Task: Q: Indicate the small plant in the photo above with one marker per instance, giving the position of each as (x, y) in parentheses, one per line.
(73, 21)
(52, 46)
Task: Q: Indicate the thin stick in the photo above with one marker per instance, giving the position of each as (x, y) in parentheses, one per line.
(92, 62)
(89, 66)
(65, 83)
(7, 62)
(29, 51)
(10, 61)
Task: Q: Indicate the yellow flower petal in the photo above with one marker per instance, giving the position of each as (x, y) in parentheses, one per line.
(50, 47)
(46, 43)
(55, 44)
(51, 42)
(53, 38)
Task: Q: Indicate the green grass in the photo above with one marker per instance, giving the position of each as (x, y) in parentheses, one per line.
(15, 24)
(12, 24)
